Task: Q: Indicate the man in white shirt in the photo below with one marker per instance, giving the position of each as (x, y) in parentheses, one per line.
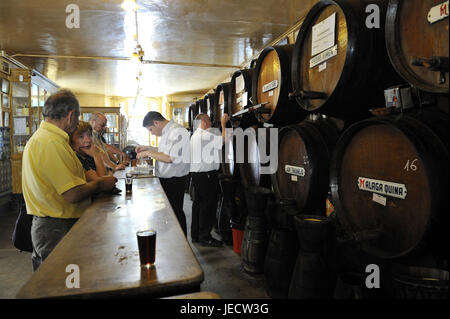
(172, 159)
(206, 145)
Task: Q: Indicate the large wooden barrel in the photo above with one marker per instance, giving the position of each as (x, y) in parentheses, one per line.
(241, 90)
(417, 42)
(250, 160)
(191, 115)
(272, 84)
(389, 184)
(201, 106)
(419, 283)
(281, 255)
(221, 102)
(254, 245)
(340, 67)
(209, 103)
(313, 276)
(193, 112)
(304, 153)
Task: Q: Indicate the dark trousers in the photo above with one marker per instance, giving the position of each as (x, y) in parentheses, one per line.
(46, 233)
(204, 207)
(174, 189)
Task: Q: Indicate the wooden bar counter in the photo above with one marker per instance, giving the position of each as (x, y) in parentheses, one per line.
(103, 245)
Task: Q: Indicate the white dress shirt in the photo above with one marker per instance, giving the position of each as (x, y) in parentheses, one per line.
(206, 146)
(174, 142)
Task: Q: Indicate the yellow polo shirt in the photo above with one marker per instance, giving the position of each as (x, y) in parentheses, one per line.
(50, 168)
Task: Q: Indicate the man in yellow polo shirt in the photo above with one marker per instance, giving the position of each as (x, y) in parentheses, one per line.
(53, 180)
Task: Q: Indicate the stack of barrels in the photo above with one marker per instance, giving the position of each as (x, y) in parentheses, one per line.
(320, 105)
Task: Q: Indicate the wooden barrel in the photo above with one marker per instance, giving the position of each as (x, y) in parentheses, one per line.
(256, 199)
(280, 213)
(192, 116)
(226, 209)
(352, 285)
(209, 104)
(228, 164)
(419, 282)
(250, 165)
(304, 153)
(221, 102)
(241, 90)
(254, 245)
(417, 42)
(313, 275)
(201, 106)
(389, 184)
(344, 71)
(271, 84)
(280, 260)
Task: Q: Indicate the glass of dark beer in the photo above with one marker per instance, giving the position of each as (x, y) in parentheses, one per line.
(147, 246)
(128, 184)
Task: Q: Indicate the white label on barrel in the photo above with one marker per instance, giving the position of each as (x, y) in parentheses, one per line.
(382, 187)
(270, 86)
(323, 66)
(379, 199)
(244, 99)
(438, 12)
(294, 170)
(323, 35)
(324, 56)
(240, 84)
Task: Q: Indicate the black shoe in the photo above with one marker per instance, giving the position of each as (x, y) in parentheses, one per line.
(211, 242)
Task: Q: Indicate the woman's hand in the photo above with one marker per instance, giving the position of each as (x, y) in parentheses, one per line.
(92, 151)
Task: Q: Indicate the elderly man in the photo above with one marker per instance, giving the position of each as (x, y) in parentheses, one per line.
(98, 122)
(172, 159)
(53, 179)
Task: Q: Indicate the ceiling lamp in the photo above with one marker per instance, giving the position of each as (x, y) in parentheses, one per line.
(138, 54)
(129, 5)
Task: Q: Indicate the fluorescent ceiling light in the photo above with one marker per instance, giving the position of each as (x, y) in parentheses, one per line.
(129, 5)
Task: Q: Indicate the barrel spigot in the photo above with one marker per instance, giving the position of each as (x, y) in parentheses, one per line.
(307, 95)
(435, 63)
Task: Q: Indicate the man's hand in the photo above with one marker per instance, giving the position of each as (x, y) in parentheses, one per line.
(106, 183)
(81, 192)
(144, 154)
(141, 148)
(120, 167)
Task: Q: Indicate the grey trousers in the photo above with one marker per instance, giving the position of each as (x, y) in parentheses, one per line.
(46, 232)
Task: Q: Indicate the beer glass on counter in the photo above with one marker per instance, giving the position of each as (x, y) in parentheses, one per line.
(147, 246)
(128, 183)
